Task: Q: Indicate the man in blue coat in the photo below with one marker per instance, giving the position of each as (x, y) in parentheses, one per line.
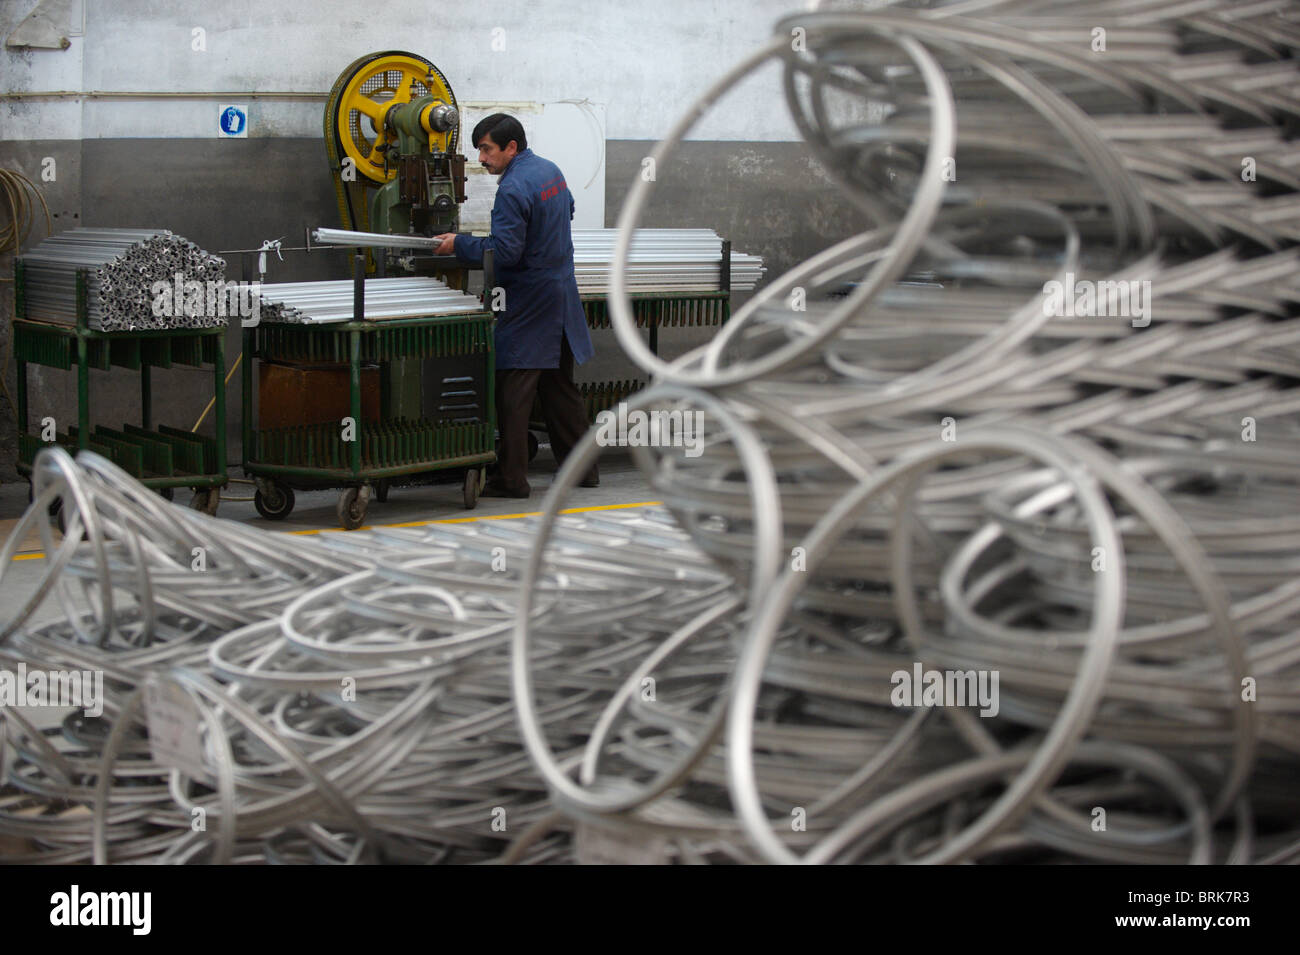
(541, 330)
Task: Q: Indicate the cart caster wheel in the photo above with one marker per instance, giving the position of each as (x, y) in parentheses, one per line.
(275, 505)
(473, 484)
(168, 493)
(206, 500)
(532, 445)
(352, 507)
(381, 490)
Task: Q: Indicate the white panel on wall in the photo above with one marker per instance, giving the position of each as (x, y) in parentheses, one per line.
(570, 133)
(480, 185)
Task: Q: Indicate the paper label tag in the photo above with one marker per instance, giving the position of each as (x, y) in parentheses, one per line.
(600, 846)
(174, 728)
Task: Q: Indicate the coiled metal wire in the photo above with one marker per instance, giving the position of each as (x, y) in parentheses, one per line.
(962, 480)
(353, 693)
(906, 462)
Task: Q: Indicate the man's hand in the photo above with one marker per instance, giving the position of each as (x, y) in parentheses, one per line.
(448, 247)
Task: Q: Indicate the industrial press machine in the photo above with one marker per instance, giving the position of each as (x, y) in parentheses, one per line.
(396, 112)
(418, 388)
(392, 129)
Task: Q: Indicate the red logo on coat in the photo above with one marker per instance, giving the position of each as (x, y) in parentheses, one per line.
(549, 191)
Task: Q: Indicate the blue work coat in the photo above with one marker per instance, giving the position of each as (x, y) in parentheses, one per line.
(532, 247)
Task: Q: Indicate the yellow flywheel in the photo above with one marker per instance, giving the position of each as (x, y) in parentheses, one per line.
(363, 95)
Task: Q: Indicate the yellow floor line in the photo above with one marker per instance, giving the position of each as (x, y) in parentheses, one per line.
(485, 517)
(442, 520)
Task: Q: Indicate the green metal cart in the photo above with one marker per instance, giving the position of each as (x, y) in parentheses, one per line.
(652, 311)
(364, 458)
(160, 457)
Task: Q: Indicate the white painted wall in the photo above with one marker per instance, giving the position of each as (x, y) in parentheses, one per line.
(644, 62)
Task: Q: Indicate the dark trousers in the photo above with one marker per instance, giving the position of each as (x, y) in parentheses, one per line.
(562, 410)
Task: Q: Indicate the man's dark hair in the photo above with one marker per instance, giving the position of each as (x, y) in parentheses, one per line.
(500, 128)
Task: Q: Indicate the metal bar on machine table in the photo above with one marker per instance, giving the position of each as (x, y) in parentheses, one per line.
(372, 240)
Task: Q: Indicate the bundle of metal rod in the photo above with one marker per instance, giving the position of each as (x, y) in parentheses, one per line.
(325, 302)
(135, 279)
(662, 260)
(372, 240)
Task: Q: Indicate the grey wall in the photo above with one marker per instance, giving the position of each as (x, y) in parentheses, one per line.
(252, 190)
(63, 196)
(644, 61)
(769, 198)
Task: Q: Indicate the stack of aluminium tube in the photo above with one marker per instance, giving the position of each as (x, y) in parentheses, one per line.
(136, 279)
(947, 569)
(662, 260)
(317, 303)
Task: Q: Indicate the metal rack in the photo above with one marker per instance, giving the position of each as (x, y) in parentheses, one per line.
(653, 311)
(317, 455)
(160, 457)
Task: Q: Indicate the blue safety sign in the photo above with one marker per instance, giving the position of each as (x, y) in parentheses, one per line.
(232, 121)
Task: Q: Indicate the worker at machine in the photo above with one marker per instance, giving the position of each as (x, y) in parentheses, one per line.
(541, 330)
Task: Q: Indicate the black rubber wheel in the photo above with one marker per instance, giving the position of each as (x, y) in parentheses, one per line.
(473, 483)
(381, 490)
(278, 506)
(52, 509)
(61, 517)
(533, 444)
(352, 509)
